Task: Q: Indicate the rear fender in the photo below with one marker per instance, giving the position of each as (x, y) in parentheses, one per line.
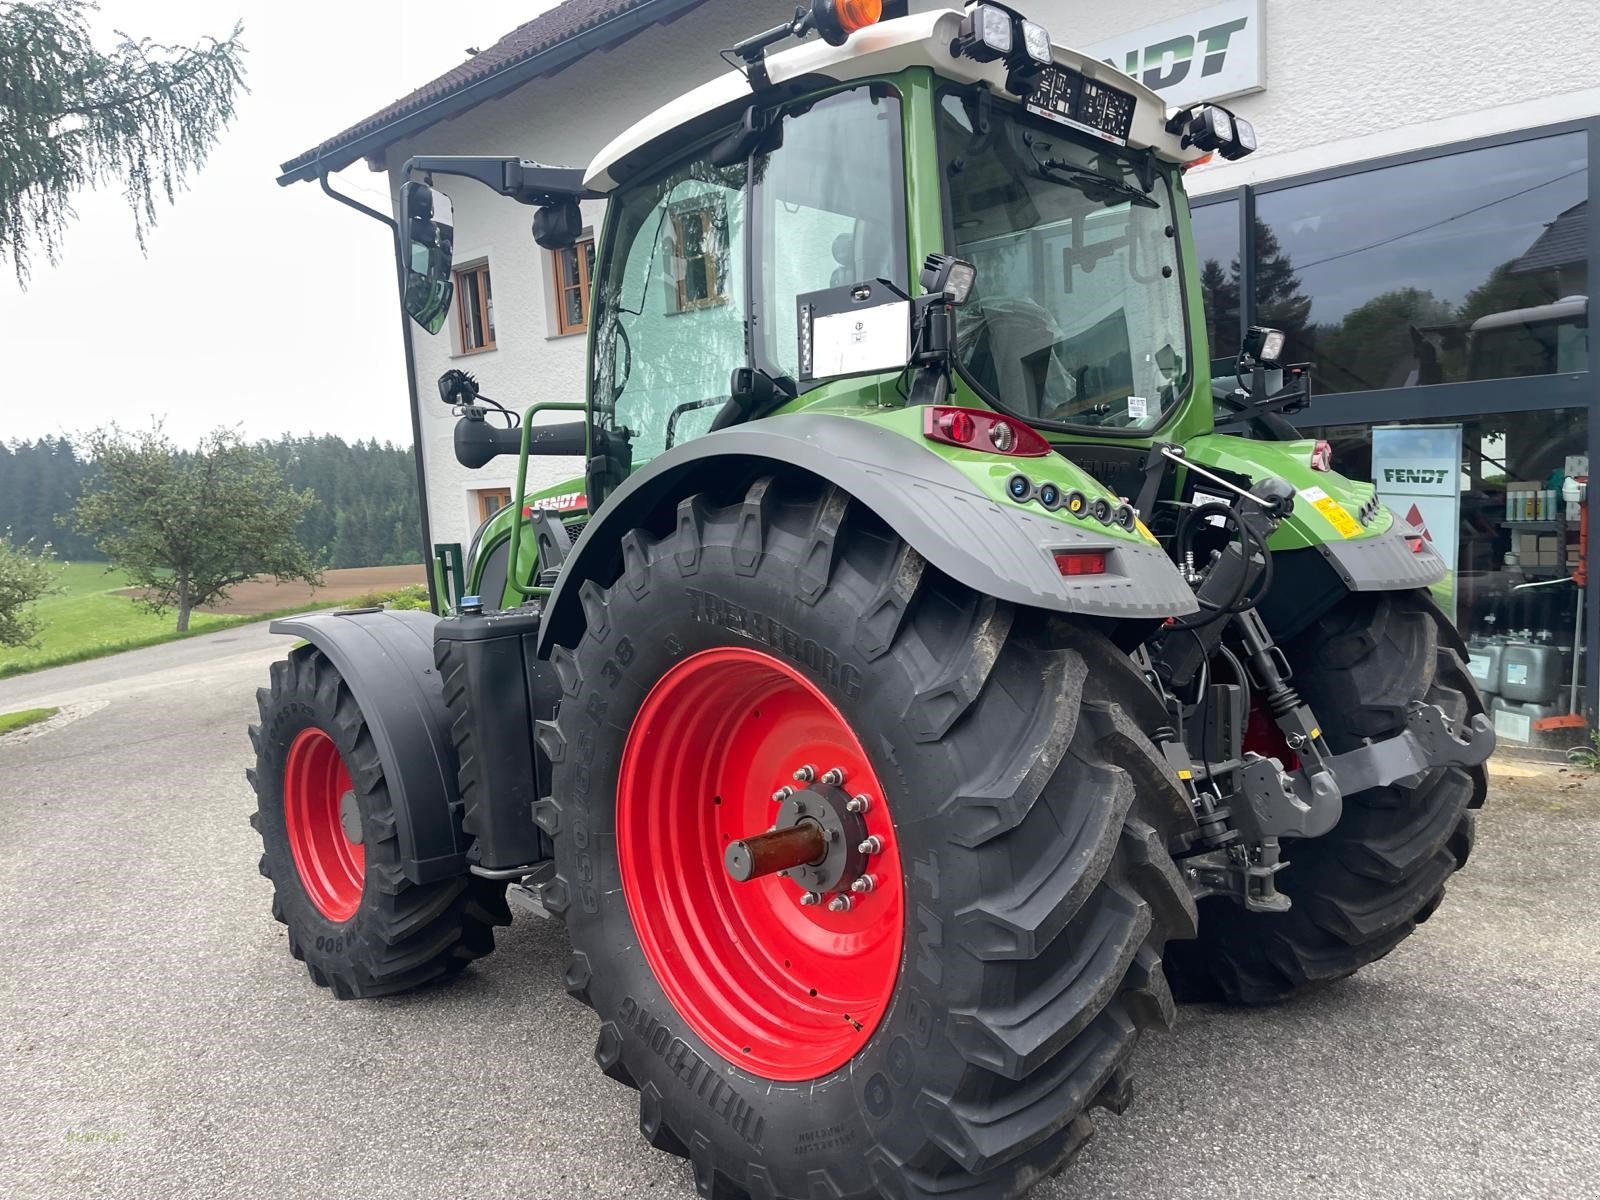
(386, 660)
(997, 548)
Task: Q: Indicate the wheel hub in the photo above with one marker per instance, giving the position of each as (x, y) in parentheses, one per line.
(816, 842)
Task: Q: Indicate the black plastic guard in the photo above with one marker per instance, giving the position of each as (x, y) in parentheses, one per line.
(386, 659)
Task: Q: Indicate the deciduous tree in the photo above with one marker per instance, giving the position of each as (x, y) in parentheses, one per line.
(189, 526)
(25, 575)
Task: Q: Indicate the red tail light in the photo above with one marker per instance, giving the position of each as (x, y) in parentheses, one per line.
(1415, 542)
(1322, 456)
(977, 429)
(1081, 562)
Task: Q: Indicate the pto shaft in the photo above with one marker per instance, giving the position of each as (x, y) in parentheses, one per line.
(781, 850)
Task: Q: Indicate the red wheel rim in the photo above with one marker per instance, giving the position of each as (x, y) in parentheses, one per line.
(787, 991)
(332, 867)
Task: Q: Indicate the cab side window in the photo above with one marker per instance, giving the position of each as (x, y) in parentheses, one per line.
(672, 311)
(831, 208)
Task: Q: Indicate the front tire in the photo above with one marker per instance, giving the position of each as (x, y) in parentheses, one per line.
(1363, 888)
(997, 975)
(327, 826)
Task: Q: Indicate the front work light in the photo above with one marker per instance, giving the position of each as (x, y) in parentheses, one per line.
(948, 276)
(986, 33)
(1263, 345)
(836, 20)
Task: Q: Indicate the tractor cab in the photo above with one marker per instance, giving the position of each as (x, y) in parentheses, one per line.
(774, 239)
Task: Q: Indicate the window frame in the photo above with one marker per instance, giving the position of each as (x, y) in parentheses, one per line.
(483, 289)
(584, 286)
(482, 495)
(706, 210)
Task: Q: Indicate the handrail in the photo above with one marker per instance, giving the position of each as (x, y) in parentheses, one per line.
(513, 575)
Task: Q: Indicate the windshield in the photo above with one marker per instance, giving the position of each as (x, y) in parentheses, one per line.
(1077, 316)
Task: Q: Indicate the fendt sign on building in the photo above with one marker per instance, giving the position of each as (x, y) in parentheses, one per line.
(1211, 54)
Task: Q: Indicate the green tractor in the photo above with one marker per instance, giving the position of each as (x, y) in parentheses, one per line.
(919, 690)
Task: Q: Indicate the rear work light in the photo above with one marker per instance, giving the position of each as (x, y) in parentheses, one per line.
(977, 429)
(1081, 562)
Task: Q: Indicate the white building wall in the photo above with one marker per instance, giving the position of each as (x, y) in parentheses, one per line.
(1347, 80)
(564, 119)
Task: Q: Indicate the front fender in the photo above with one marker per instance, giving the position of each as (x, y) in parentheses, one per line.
(997, 548)
(386, 660)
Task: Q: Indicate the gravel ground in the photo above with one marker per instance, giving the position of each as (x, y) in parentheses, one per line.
(158, 1041)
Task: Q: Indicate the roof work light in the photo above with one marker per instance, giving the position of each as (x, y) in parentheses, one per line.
(986, 33)
(1214, 129)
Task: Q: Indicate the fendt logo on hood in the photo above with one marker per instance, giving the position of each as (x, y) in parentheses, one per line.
(1414, 474)
(1207, 55)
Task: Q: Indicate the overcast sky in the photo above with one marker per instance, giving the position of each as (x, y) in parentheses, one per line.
(259, 306)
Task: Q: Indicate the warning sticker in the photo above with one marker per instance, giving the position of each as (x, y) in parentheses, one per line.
(1333, 512)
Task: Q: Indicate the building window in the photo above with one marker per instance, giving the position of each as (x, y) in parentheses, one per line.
(1465, 266)
(491, 501)
(1216, 241)
(700, 255)
(574, 267)
(475, 308)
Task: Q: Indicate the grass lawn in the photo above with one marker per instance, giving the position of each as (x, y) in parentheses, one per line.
(87, 619)
(28, 716)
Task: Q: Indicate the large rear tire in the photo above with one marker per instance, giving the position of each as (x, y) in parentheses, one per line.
(944, 1035)
(1361, 889)
(327, 827)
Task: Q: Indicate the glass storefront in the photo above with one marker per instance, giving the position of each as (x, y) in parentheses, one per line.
(1517, 539)
(1471, 265)
(1442, 302)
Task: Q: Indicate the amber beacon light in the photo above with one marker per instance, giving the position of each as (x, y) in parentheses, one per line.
(836, 20)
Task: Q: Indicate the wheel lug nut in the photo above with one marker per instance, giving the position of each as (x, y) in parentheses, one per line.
(865, 884)
(871, 845)
(811, 898)
(806, 774)
(858, 804)
(834, 776)
(840, 903)
(782, 794)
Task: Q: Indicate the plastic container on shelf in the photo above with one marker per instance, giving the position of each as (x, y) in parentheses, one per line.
(1483, 664)
(1530, 674)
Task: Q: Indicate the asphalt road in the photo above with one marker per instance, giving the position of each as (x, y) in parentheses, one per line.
(156, 1040)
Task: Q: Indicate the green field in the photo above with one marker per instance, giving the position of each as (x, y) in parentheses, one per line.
(86, 619)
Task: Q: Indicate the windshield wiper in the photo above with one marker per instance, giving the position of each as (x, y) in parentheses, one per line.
(1057, 170)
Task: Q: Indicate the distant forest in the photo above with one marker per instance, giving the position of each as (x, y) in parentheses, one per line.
(366, 514)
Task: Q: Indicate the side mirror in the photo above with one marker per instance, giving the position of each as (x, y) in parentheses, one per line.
(557, 226)
(427, 238)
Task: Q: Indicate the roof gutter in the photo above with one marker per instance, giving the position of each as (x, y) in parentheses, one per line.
(513, 75)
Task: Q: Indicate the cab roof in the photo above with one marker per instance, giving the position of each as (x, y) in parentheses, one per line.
(922, 39)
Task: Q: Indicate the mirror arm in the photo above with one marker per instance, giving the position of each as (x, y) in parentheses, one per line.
(523, 180)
